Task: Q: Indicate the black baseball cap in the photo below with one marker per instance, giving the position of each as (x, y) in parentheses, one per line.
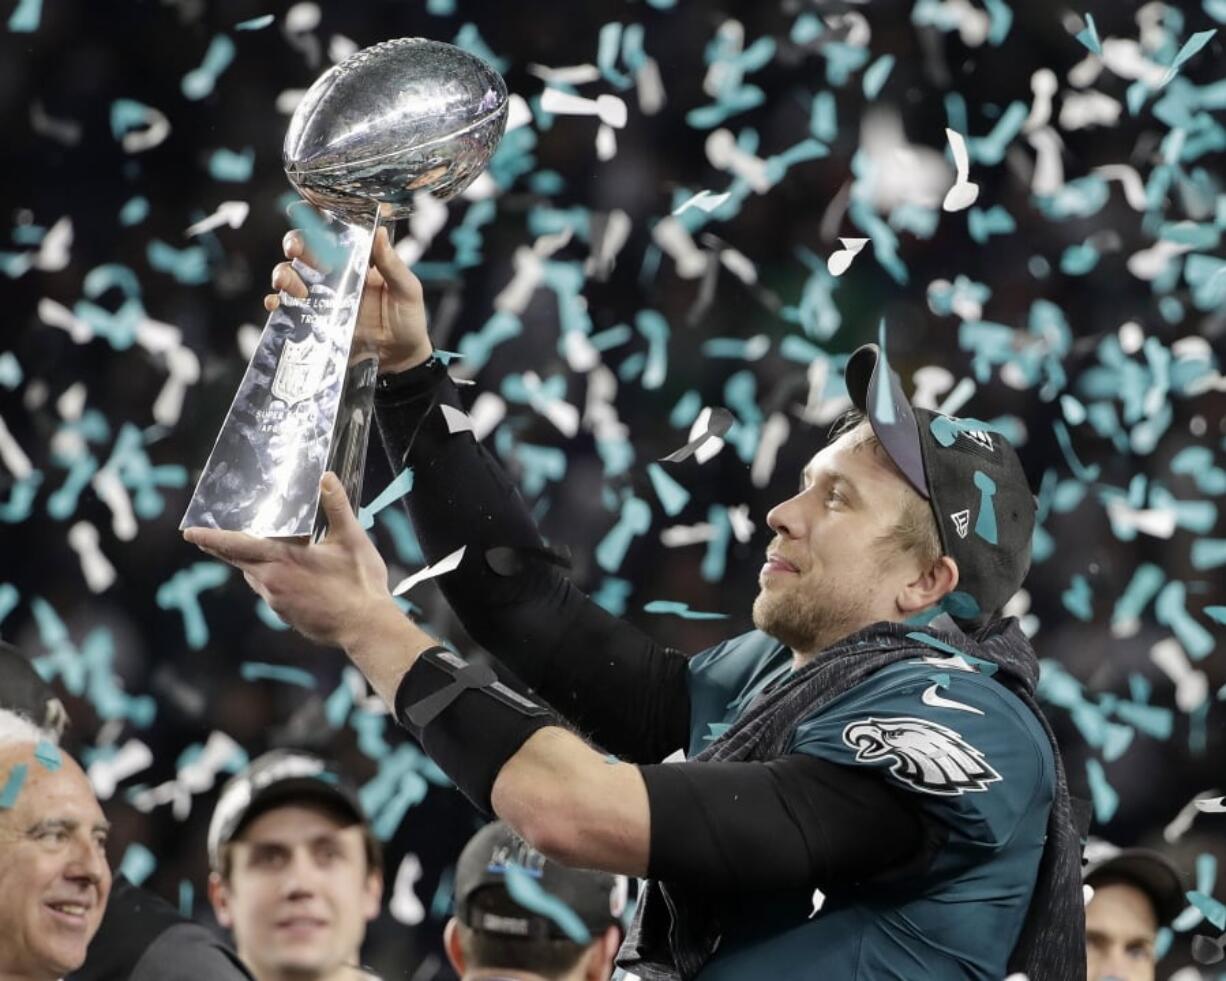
(969, 474)
(484, 903)
(22, 690)
(1151, 872)
(278, 777)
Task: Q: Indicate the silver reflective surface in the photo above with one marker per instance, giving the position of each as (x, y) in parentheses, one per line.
(393, 119)
(303, 406)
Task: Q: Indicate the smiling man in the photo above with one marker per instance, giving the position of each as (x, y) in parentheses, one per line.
(54, 877)
(870, 790)
(296, 870)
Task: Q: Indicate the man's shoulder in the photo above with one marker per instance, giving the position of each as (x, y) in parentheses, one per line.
(189, 950)
(738, 655)
(953, 735)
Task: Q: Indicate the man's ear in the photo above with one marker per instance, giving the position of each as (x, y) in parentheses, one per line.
(451, 944)
(219, 896)
(929, 587)
(372, 895)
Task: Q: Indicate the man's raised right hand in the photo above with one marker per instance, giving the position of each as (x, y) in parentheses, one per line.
(392, 316)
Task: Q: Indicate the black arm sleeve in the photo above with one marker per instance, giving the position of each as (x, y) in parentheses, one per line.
(609, 679)
(795, 822)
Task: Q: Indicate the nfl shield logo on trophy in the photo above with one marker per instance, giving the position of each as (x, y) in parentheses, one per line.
(299, 371)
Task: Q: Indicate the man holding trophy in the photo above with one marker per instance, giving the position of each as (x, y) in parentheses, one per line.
(786, 847)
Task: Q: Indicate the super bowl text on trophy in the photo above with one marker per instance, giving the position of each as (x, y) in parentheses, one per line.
(394, 120)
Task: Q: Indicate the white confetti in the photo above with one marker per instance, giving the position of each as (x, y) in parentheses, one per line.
(287, 101)
(675, 240)
(341, 47)
(610, 109)
(561, 413)
(55, 250)
(519, 113)
(724, 154)
(1043, 83)
(840, 261)
(964, 193)
(1191, 685)
(1212, 805)
(1149, 264)
(1048, 175)
(570, 75)
(184, 369)
(12, 455)
(739, 520)
(818, 899)
(677, 536)
(1130, 180)
(606, 142)
(404, 904)
(488, 410)
(302, 17)
(448, 563)
(1158, 522)
(704, 200)
(232, 213)
(457, 421)
(931, 382)
(1080, 110)
(95, 567)
(649, 87)
(105, 774)
(775, 433)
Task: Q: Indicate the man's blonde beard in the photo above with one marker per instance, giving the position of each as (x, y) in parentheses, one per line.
(804, 623)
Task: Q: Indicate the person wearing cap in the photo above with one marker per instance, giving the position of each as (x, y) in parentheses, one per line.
(1135, 891)
(296, 871)
(54, 876)
(142, 937)
(871, 790)
(520, 916)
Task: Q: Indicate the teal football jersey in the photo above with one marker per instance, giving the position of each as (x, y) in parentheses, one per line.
(979, 766)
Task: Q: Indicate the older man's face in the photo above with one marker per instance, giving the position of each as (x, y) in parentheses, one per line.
(54, 877)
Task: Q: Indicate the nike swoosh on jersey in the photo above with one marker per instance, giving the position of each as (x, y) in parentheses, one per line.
(930, 697)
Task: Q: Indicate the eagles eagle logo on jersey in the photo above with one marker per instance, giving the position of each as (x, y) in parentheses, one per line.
(927, 756)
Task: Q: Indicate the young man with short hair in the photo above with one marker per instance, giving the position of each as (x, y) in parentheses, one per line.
(296, 870)
(1135, 892)
(501, 928)
(875, 744)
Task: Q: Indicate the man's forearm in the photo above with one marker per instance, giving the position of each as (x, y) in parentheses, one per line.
(574, 805)
(384, 647)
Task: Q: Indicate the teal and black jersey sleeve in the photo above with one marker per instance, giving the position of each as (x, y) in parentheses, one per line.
(973, 755)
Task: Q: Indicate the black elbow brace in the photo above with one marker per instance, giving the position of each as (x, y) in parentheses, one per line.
(466, 719)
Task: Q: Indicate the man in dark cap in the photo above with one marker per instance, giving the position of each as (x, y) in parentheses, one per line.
(519, 914)
(871, 790)
(297, 872)
(1135, 892)
(142, 937)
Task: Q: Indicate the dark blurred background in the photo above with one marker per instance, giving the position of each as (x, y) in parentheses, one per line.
(1104, 366)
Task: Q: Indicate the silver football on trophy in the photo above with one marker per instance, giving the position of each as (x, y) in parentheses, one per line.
(392, 120)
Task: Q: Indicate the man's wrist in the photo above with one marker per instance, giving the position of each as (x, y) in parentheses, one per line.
(384, 644)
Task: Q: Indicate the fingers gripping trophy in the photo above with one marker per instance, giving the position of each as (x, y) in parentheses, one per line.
(390, 122)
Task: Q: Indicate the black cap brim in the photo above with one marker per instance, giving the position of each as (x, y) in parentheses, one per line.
(1152, 873)
(877, 392)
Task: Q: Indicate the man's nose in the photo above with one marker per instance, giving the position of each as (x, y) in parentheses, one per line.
(88, 865)
(785, 519)
(302, 878)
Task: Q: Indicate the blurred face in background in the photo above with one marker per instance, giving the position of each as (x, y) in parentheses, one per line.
(297, 893)
(54, 877)
(1121, 928)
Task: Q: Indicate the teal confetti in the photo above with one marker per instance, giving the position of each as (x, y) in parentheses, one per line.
(10, 370)
(9, 597)
(1171, 612)
(48, 755)
(232, 166)
(401, 485)
(1213, 910)
(1000, 20)
(1088, 36)
(268, 617)
(876, 74)
(189, 265)
(1078, 600)
(682, 610)
(635, 519)
(526, 892)
(715, 730)
(26, 16)
(1081, 472)
(187, 897)
(476, 347)
(1141, 589)
(200, 82)
(1208, 553)
(137, 864)
(612, 595)
(1077, 260)
(12, 786)
(1104, 797)
(181, 592)
(673, 497)
(255, 23)
(990, 150)
(985, 524)
(469, 38)
(442, 903)
(982, 225)
(1216, 613)
(945, 429)
(1190, 48)
(715, 560)
(259, 671)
